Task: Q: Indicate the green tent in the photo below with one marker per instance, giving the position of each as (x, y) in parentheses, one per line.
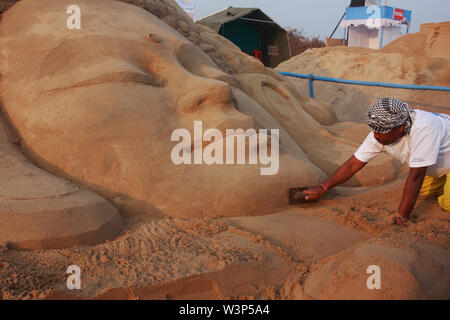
(250, 29)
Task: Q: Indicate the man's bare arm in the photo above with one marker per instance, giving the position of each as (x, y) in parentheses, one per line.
(411, 190)
(344, 173)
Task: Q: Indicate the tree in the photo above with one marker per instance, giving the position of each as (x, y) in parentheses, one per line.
(300, 43)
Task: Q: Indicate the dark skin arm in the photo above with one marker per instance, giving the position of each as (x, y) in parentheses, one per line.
(411, 190)
(344, 173)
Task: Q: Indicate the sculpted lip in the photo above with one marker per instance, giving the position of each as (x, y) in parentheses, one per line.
(114, 77)
(204, 143)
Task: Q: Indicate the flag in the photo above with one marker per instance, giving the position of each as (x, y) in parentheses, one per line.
(399, 14)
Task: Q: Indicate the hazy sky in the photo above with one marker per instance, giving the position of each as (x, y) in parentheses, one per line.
(319, 17)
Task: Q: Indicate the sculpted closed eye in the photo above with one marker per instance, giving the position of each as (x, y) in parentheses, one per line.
(121, 76)
(198, 63)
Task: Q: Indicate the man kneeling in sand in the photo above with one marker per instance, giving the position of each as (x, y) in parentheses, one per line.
(418, 137)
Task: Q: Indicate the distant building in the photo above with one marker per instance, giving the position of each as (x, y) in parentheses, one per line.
(253, 32)
(371, 25)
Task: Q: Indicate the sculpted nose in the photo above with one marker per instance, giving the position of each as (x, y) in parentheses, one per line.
(213, 104)
(216, 95)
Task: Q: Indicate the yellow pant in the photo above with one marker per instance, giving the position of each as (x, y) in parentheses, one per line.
(439, 187)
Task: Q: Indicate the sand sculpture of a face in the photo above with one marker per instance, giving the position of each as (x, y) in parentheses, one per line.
(99, 105)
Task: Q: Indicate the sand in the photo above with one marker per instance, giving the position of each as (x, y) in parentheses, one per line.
(41, 211)
(302, 253)
(144, 82)
(99, 130)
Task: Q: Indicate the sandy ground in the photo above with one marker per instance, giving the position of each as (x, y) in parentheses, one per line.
(266, 257)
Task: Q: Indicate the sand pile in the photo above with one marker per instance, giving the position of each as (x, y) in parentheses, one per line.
(419, 59)
(433, 40)
(97, 106)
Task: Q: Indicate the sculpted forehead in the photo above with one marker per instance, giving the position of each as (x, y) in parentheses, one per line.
(35, 43)
(47, 18)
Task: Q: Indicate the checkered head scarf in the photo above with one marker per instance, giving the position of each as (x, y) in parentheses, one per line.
(389, 113)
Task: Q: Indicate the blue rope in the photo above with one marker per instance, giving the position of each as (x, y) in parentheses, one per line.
(312, 78)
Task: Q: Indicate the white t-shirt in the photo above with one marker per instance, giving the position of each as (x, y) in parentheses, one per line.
(427, 145)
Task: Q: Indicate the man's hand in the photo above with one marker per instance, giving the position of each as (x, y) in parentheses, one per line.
(345, 172)
(314, 193)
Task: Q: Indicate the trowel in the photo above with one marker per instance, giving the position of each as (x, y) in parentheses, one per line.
(296, 196)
